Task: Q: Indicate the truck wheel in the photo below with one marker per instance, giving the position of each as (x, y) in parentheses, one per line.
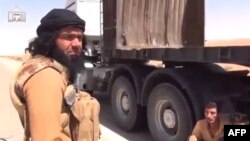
(124, 105)
(169, 115)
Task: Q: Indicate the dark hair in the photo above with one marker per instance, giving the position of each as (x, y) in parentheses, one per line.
(42, 45)
(45, 45)
(238, 118)
(211, 104)
(47, 32)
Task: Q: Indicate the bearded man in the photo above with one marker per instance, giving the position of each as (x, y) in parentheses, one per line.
(49, 112)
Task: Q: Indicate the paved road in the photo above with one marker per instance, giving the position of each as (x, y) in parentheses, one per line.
(107, 121)
(10, 126)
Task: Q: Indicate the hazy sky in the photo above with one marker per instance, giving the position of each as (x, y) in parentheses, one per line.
(225, 19)
(14, 37)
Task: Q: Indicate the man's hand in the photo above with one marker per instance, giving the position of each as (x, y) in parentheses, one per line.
(192, 138)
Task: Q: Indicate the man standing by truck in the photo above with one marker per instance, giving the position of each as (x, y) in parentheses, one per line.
(211, 128)
(53, 109)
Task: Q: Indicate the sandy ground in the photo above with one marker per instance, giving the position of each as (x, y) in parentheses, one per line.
(10, 126)
(229, 42)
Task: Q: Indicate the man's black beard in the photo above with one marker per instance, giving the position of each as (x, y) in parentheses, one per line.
(73, 64)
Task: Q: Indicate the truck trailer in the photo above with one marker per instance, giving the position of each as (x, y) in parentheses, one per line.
(124, 36)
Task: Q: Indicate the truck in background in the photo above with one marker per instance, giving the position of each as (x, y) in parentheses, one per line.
(124, 35)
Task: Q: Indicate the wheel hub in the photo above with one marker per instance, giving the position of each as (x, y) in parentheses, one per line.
(169, 118)
(125, 102)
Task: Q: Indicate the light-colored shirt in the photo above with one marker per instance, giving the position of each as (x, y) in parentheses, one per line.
(201, 130)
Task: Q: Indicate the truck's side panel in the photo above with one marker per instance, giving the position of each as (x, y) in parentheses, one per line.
(154, 23)
(109, 23)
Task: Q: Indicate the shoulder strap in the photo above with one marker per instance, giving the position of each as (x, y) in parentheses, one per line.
(34, 65)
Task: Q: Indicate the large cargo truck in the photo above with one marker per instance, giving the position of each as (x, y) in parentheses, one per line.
(169, 97)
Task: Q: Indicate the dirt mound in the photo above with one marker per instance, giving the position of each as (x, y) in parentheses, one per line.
(231, 42)
(17, 57)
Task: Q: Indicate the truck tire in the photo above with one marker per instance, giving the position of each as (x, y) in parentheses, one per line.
(168, 113)
(124, 107)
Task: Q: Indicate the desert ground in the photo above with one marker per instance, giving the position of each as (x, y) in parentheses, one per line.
(10, 126)
(229, 42)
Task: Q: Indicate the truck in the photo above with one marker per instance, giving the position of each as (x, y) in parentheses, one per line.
(124, 37)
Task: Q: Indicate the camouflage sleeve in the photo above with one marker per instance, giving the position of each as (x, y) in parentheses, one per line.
(197, 130)
(44, 96)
